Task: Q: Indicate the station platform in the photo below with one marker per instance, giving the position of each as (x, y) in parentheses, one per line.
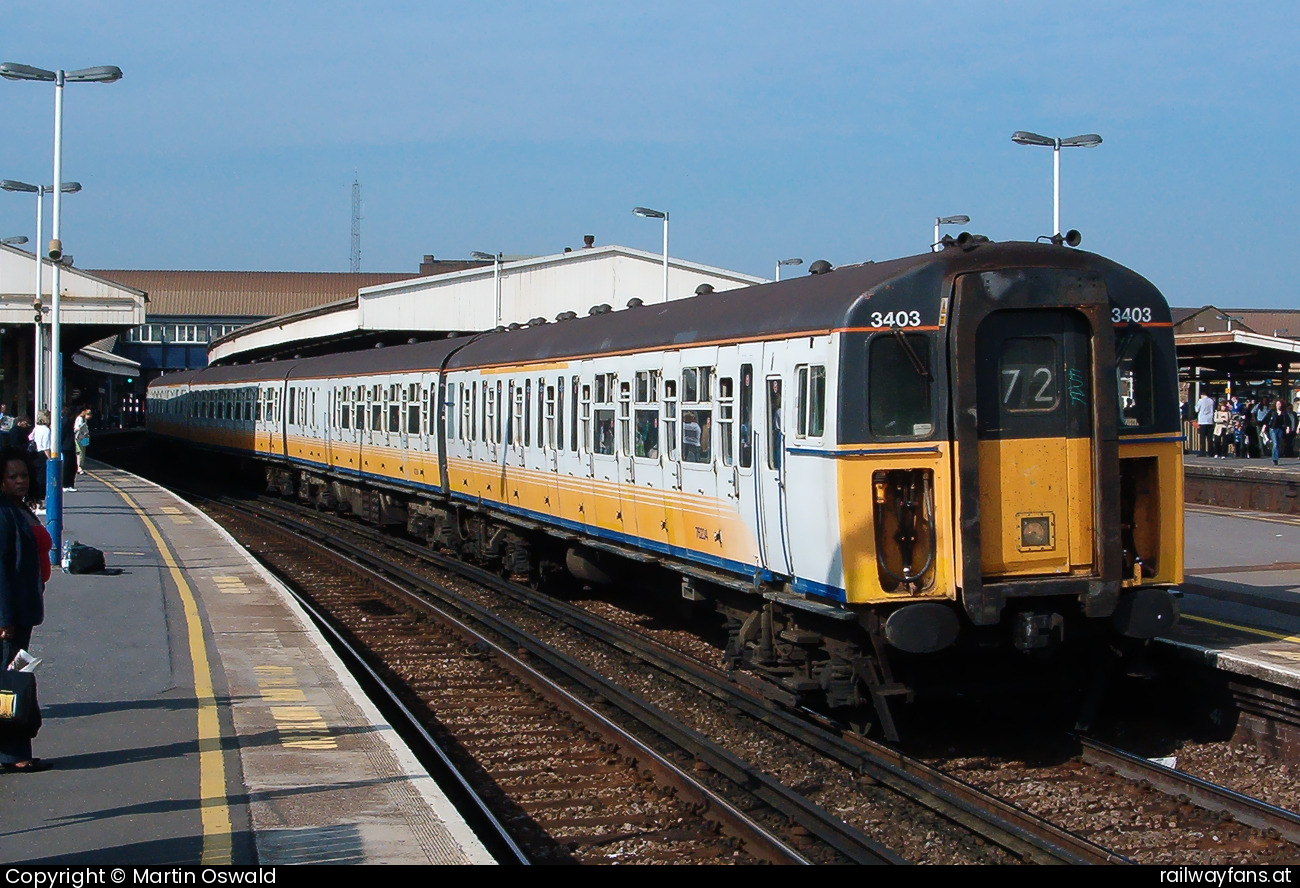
(1241, 595)
(194, 715)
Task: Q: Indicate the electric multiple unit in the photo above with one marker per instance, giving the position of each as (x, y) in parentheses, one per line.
(982, 442)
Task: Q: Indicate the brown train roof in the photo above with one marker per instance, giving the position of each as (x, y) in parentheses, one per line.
(243, 294)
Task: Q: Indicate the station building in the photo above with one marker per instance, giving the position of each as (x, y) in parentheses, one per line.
(92, 308)
(516, 291)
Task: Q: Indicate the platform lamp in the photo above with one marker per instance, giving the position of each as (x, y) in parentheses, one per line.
(495, 259)
(1088, 140)
(647, 213)
(946, 220)
(781, 262)
(54, 466)
(38, 377)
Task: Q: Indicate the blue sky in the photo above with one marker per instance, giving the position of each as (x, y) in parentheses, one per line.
(767, 130)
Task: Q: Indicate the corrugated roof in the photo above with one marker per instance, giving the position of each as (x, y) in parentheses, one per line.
(257, 294)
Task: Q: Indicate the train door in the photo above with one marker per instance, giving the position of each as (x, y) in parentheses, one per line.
(770, 455)
(605, 507)
(1034, 397)
(648, 456)
(697, 434)
(740, 480)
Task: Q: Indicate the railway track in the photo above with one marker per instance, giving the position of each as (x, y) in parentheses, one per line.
(1021, 835)
(573, 785)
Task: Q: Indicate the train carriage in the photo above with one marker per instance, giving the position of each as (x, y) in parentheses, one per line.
(889, 455)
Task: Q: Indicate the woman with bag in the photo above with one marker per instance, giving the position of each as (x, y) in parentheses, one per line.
(24, 569)
(81, 434)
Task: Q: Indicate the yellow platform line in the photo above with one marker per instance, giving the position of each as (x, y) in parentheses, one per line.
(1277, 636)
(214, 808)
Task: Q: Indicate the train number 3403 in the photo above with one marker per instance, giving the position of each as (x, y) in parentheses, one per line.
(896, 319)
(1130, 315)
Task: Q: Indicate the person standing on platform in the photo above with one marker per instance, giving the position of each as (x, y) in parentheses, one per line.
(81, 436)
(24, 569)
(1205, 422)
(1222, 425)
(1278, 423)
(40, 452)
(67, 448)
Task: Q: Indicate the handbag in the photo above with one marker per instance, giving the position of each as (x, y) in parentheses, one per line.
(20, 713)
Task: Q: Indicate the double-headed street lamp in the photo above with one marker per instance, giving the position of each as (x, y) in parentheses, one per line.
(946, 220)
(40, 191)
(781, 262)
(1088, 140)
(647, 213)
(495, 259)
(54, 467)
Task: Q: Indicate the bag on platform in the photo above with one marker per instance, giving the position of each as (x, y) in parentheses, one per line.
(82, 559)
(20, 713)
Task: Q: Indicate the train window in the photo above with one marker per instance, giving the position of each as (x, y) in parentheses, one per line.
(670, 417)
(586, 414)
(559, 413)
(647, 386)
(697, 422)
(625, 418)
(549, 417)
(810, 418)
(293, 403)
(345, 409)
(775, 444)
(746, 415)
(1027, 375)
(500, 419)
(376, 408)
(413, 409)
(473, 411)
(394, 408)
(604, 388)
(604, 440)
(899, 386)
(489, 413)
(726, 419)
(521, 395)
(1135, 378)
(573, 427)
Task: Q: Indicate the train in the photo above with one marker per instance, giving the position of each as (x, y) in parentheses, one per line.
(866, 465)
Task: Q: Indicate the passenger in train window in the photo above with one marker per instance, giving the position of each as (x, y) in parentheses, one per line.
(746, 415)
(690, 435)
(604, 442)
(647, 434)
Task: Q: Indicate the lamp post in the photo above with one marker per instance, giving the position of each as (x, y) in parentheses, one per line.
(647, 213)
(496, 279)
(1088, 140)
(38, 377)
(54, 466)
(781, 262)
(946, 220)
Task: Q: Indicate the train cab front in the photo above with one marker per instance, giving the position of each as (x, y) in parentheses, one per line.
(1066, 453)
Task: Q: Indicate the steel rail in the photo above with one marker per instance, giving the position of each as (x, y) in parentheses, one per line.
(499, 837)
(1019, 832)
(1202, 793)
(820, 824)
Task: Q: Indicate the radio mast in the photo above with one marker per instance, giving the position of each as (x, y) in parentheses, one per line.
(356, 226)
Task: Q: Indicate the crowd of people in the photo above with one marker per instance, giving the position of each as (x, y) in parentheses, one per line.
(19, 434)
(1243, 428)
